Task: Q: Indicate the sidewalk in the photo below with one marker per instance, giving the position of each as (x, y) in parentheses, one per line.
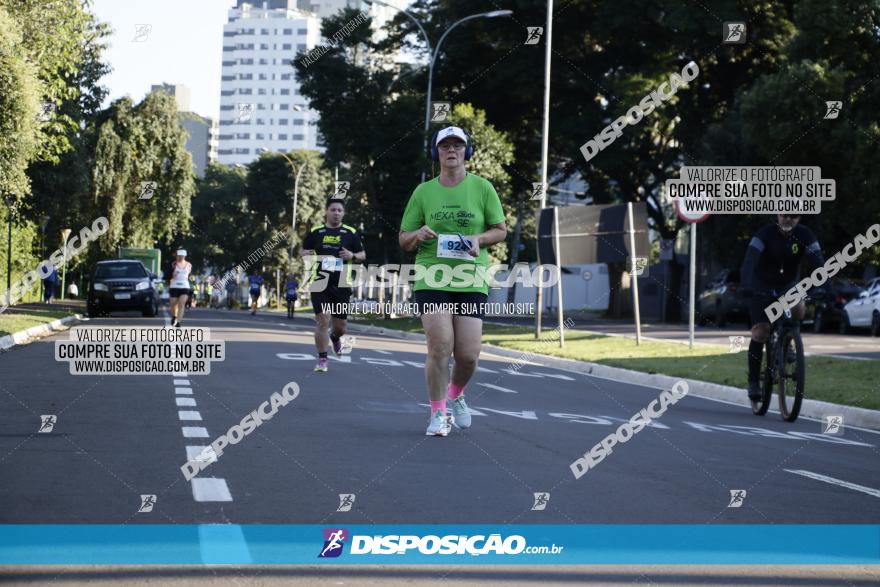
(859, 345)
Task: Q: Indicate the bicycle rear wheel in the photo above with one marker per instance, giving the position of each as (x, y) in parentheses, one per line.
(792, 375)
(760, 407)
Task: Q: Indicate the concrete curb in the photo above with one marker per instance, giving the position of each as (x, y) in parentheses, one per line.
(35, 332)
(810, 408)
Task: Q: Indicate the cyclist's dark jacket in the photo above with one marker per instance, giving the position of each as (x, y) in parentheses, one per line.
(773, 258)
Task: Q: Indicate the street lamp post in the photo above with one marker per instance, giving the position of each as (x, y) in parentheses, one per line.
(8, 200)
(65, 232)
(295, 195)
(435, 52)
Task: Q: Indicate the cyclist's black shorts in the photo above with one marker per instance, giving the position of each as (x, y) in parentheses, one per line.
(322, 300)
(461, 303)
(761, 299)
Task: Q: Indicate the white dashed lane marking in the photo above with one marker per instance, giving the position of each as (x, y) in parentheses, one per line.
(194, 453)
(210, 489)
(183, 402)
(833, 481)
(188, 415)
(496, 387)
(182, 382)
(194, 432)
(183, 390)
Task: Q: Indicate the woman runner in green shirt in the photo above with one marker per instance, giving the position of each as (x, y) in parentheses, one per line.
(449, 221)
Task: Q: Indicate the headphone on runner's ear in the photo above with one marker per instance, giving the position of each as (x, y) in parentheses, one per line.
(434, 152)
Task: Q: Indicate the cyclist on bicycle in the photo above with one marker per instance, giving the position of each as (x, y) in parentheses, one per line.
(772, 262)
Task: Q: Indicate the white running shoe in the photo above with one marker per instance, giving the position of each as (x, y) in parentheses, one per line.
(461, 415)
(438, 425)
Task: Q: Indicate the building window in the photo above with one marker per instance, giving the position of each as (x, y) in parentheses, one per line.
(224, 152)
(261, 91)
(245, 76)
(226, 137)
(229, 34)
(301, 47)
(282, 137)
(264, 76)
(261, 121)
(241, 151)
(261, 106)
(245, 91)
(285, 76)
(288, 31)
(286, 47)
(284, 106)
(246, 61)
(227, 78)
(302, 31)
(299, 137)
(228, 107)
(243, 135)
(228, 63)
(227, 92)
(260, 136)
(264, 46)
(282, 122)
(226, 48)
(298, 122)
(264, 62)
(264, 31)
(285, 92)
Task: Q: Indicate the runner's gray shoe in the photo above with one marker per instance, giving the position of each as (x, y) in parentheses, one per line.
(461, 415)
(438, 425)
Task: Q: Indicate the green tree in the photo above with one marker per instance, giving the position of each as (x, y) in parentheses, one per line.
(19, 108)
(138, 144)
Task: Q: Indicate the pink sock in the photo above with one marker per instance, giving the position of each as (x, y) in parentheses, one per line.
(453, 391)
(438, 406)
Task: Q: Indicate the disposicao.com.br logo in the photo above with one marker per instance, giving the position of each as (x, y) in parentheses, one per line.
(479, 544)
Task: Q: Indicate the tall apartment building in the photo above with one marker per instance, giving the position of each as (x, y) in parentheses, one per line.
(179, 92)
(260, 104)
(202, 141)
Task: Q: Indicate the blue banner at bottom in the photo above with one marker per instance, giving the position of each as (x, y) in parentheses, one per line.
(172, 544)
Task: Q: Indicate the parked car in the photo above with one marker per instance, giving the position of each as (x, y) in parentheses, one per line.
(121, 284)
(863, 311)
(826, 311)
(722, 299)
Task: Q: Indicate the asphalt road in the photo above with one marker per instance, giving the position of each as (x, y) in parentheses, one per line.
(359, 429)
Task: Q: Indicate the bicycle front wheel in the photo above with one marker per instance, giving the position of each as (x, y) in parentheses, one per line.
(792, 374)
(768, 375)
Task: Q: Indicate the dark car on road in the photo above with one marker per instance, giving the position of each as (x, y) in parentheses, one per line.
(722, 300)
(121, 285)
(825, 306)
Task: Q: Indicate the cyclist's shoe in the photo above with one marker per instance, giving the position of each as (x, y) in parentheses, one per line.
(177, 324)
(337, 344)
(438, 425)
(321, 367)
(461, 415)
(755, 391)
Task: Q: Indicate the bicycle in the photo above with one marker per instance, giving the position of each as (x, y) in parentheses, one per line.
(783, 366)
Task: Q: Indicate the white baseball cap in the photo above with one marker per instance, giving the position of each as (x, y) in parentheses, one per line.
(451, 131)
(181, 252)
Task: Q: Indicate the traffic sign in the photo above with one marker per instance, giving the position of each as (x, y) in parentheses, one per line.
(690, 216)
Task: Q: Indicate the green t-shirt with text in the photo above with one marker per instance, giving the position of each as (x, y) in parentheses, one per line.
(469, 208)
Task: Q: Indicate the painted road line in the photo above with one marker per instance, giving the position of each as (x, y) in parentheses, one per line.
(833, 481)
(183, 390)
(184, 402)
(179, 374)
(189, 415)
(381, 352)
(220, 543)
(194, 432)
(184, 382)
(210, 489)
(194, 453)
(497, 387)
